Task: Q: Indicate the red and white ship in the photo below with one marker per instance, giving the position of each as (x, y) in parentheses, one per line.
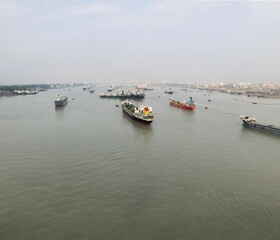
(189, 105)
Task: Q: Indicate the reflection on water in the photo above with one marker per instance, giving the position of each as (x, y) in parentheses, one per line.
(189, 113)
(256, 132)
(86, 171)
(59, 111)
(141, 129)
(137, 99)
(60, 108)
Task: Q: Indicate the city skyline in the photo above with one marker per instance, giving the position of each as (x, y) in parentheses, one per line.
(139, 41)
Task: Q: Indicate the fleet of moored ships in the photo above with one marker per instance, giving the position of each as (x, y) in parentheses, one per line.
(144, 113)
(138, 94)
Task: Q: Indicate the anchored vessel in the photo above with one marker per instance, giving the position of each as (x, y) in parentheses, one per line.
(184, 105)
(123, 94)
(249, 121)
(169, 91)
(60, 100)
(138, 94)
(141, 113)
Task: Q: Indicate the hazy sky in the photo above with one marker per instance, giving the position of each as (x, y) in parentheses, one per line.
(53, 41)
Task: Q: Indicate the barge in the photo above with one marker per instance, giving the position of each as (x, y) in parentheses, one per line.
(251, 122)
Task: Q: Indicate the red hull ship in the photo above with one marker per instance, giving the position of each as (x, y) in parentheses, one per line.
(183, 105)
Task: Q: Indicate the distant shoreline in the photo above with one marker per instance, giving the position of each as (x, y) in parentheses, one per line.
(14, 90)
(249, 94)
(253, 91)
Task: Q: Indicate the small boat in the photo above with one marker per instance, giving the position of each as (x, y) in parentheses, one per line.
(109, 89)
(168, 91)
(251, 122)
(60, 100)
(149, 88)
(91, 90)
(189, 105)
(140, 113)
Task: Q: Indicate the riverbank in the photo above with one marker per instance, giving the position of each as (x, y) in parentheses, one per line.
(13, 90)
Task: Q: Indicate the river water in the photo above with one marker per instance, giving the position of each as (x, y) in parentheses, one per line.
(85, 171)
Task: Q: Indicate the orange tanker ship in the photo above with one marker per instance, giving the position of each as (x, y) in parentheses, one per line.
(189, 105)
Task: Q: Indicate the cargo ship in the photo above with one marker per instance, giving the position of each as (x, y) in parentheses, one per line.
(143, 113)
(251, 122)
(60, 100)
(189, 105)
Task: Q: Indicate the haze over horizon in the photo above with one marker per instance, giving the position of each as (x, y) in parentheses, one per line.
(180, 41)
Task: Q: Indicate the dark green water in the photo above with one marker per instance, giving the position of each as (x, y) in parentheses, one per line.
(86, 172)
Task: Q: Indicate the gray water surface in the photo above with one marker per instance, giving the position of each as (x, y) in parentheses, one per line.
(85, 171)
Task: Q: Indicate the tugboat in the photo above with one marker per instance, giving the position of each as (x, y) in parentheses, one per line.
(189, 105)
(60, 100)
(251, 122)
(140, 113)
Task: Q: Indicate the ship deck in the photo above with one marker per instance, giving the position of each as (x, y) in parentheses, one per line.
(263, 126)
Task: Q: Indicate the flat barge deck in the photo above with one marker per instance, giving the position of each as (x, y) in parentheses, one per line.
(251, 122)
